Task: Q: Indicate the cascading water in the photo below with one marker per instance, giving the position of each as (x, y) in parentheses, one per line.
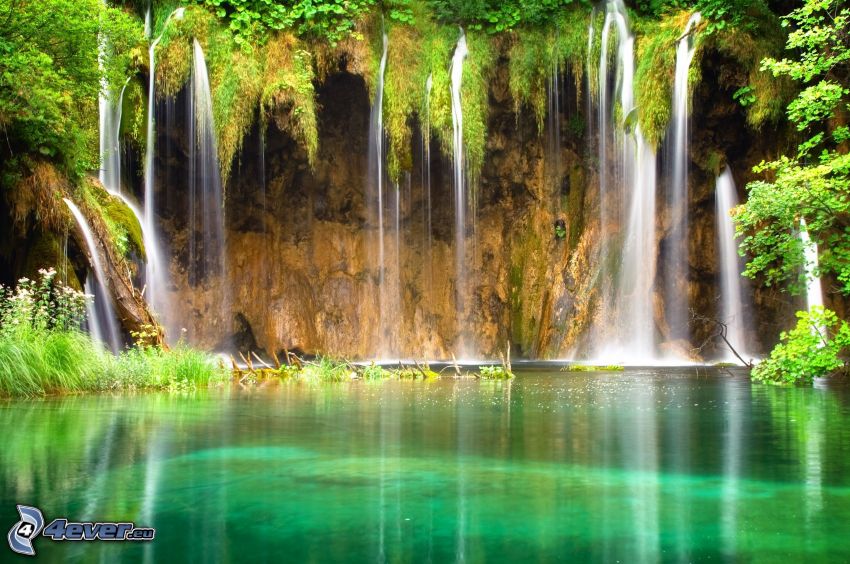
(459, 179)
(387, 299)
(156, 274)
(676, 272)
(110, 142)
(93, 316)
(732, 286)
(625, 328)
(814, 291)
(206, 216)
(102, 314)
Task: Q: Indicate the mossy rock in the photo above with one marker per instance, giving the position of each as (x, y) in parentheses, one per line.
(121, 215)
(45, 251)
(125, 231)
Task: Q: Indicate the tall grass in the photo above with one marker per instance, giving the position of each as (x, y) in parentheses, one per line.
(43, 350)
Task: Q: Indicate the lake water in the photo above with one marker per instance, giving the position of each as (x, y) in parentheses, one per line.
(636, 466)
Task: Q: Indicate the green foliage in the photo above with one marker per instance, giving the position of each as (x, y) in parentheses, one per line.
(42, 349)
(654, 75)
(531, 62)
(744, 96)
(591, 368)
(50, 79)
(176, 369)
(494, 372)
(254, 19)
(40, 306)
(496, 16)
(720, 14)
(816, 347)
(326, 369)
(374, 372)
(560, 231)
(276, 77)
(288, 94)
(814, 184)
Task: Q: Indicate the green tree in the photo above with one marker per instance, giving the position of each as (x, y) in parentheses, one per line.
(50, 78)
(814, 184)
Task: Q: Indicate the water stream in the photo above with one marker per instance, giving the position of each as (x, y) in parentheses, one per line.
(625, 327)
(732, 286)
(676, 271)
(377, 182)
(104, 317)
(814, 291)
(460, 194)
(156, 272)
(206, 205)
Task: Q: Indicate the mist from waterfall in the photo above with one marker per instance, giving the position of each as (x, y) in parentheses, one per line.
(732, 284)
(676, 271)
(103, 322)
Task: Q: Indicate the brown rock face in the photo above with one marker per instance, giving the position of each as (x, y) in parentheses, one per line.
(301, 259)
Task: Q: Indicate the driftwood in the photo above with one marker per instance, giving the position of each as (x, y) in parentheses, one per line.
(721, 332)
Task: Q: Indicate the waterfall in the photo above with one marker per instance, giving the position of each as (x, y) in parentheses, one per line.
(460, 196)
(814, 292)
(110, 142)
(102, 314)
(732, 286)
(376, 182)
(156, 275)
(635, 286)
(624, 329)
(676, 273)
(148, 21)
(206, 216)
(93, 316)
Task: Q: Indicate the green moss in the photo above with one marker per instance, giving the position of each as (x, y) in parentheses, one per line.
(475, 97)
(589, 368)
(288, 94)
(411, 54)
(575, 205)
(655, 72)
(124, 230)
(531, 61)
(44, 251)
(134, 114)
(772, 94)
(527, 277)
(536, 52)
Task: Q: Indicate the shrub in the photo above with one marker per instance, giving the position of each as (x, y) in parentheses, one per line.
(816, 347)
(494, 373)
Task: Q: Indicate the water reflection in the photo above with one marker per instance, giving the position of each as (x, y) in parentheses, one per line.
(636, 466)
